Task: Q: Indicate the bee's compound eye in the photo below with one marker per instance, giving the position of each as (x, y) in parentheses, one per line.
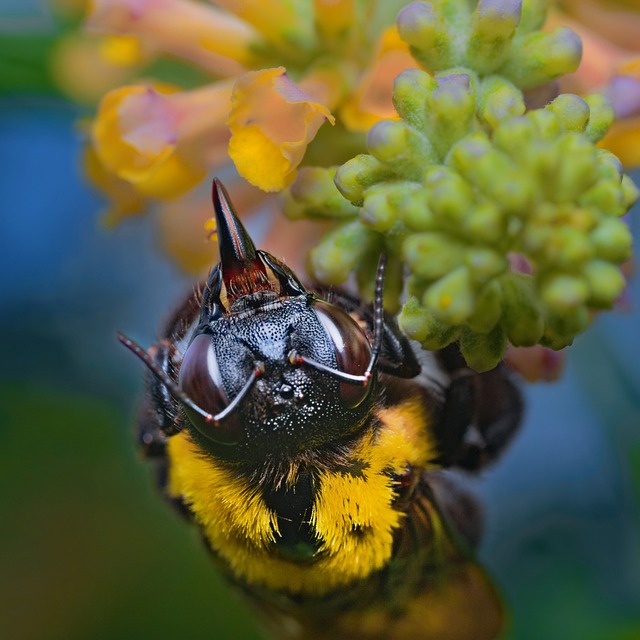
(201, 380)
(352, 349)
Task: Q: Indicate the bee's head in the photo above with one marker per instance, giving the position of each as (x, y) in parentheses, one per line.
(271, 369)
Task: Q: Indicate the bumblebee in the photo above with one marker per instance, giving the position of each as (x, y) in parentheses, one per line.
(311, 442)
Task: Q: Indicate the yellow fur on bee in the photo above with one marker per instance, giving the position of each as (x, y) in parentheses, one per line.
(352, 517)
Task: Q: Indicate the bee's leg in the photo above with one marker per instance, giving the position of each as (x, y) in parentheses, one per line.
(159, 415)
(498, 413)
(458, 506)
(480, 414)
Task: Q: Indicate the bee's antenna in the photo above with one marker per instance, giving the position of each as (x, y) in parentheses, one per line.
(378, 312)
(162, 375)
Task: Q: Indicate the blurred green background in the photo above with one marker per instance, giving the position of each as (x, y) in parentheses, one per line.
(87, 548)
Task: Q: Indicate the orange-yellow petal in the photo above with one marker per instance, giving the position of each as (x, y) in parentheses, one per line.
(371, 99)
(124, 200)
(281, 22)
(81, 70)
(623, 139)
(272, 121)
(123, 51)
(153, 138)
(205, 35)
(618, 24)
(334, 18)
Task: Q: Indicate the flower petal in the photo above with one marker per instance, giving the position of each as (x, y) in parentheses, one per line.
(281, 22)
(623, 139)
(155, 137)
(205, 35)
(334, 17)
(272, 121)
(85, 68)
(124, 200)
(371, 100)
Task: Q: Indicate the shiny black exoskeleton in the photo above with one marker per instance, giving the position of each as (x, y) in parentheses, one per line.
(269, 366)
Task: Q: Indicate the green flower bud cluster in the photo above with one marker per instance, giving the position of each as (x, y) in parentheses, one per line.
(494, 37)
(499, 225)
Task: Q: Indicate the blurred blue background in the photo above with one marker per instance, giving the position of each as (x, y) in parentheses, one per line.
(87, 548)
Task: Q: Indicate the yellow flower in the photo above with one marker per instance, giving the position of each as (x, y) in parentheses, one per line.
(206, 36)
(124, 200)
(294, 62)
(157, 138)
(371, 99)
(272, 121)
(335, 55)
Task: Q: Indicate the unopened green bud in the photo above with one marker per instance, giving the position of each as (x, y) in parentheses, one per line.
(630, 192)
(612, 240)
(534, 14)
(421, 26)
(450, 111)
(485, 264)
(572, 111)
(552, 340)
(578, 170)
(541, 161)
(465, 155)
(355, 176)
(380, 209)
(483, 351)
(568, 324)
(581, 219)
(432, 255)
(499, 100)
(540, 57)
(605, 196)
(605, 282)
(493, 25)
(340, 251)
(547, 124)
(450, 196)
(564, 293)
(415, 213)
(567, 247)
(515, 135)
(485, 223)
(395, 143)
(609, 166)
(535, 235)
(601, 117)
(488, 309)
(493, 172)
(314, 195)
(452, 298)
(421, 325)
(410, 91)
(522, 316)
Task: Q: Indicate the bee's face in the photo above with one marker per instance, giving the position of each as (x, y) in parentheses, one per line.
(268, 360)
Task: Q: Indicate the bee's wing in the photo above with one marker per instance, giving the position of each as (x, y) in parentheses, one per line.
(432, 589)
